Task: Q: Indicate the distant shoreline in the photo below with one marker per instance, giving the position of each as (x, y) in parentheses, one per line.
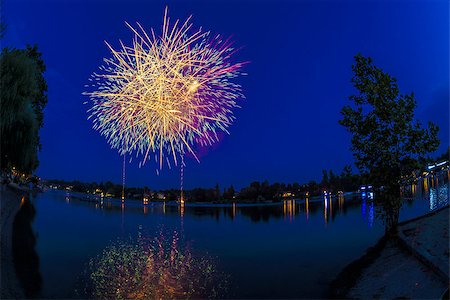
(96, 199)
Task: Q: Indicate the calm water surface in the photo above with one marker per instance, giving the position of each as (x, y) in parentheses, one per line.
(294, 248)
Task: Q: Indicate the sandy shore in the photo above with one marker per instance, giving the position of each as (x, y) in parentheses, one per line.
(10, 200)
(397, 274)
(424, 237)
(414, 265)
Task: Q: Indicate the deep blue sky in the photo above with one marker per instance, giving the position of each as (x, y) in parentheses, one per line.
(301, 54)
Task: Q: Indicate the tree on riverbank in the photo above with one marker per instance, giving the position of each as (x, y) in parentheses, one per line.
(346, 181)
(23, 96)
(387, 142)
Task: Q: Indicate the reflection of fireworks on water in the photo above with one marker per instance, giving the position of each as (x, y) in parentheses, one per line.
(164, 94)
(153, 269)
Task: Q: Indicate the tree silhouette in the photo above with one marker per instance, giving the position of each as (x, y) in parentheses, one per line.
(22, 100)
(386, 140)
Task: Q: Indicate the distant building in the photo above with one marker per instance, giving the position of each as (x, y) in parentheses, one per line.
(287, 195)
(160, 196)
(438, 166)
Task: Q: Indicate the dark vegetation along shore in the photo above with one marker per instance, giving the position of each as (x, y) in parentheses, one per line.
(255, 192)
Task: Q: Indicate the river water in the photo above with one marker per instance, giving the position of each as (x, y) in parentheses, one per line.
(291, 249)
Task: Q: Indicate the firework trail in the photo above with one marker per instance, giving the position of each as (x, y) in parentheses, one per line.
(166, 94)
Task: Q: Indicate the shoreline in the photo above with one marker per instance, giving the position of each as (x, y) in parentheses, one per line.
(399, 267)
(9, 206)
(226, 203)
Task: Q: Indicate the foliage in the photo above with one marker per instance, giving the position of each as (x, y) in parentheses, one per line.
(107, 187)
(255, 192)
(346, 181)
(22, 98)
(39, 101)
(201, 195)
(229, 193)
(386, 140)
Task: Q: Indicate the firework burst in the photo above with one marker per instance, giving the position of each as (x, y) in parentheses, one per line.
(166, 94)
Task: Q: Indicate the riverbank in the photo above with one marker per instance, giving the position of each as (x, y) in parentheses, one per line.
(413, 265)
(95, 198)
(10, 202)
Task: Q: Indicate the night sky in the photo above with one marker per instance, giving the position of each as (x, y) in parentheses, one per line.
(300, 55)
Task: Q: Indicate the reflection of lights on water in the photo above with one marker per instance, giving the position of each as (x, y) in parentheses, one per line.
(444, 195)
(340, 201)
(425, 185)
(233, 210)
(368, 211)
(331, 207)
(363, 209)
(432, 198)
(182, 209)
(433, 188)
(289, 209)
(371, 214)
(145, 209)
(438, 194)
(327, 207)
(307, 208)
(160, 268)
(164, 207)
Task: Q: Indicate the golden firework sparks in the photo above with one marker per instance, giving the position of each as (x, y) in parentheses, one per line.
(165, 94)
